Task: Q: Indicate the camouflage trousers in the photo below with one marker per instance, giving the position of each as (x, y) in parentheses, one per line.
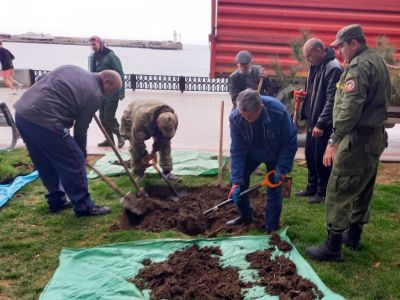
(351, 184)
(164, 157)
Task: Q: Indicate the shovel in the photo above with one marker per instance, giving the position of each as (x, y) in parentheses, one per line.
(175, 194)
(138, 190)
(266, 182)
(129, 200)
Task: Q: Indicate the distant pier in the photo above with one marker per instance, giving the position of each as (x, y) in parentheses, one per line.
(49, 39)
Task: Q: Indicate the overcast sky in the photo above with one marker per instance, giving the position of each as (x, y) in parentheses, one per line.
(125, 19)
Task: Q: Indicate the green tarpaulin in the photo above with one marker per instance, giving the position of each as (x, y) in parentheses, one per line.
(102, 272)
(185, 163)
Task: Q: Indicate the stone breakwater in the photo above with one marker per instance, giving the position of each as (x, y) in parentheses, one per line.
(46, 39)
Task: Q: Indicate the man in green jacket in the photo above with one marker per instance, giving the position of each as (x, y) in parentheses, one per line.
(101, 59)
(142, 120)
(358, 139)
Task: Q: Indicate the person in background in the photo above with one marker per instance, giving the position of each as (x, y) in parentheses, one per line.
(356, 144)
(246, 76)
(141, 120)
(63, 98)
(261, 132)
(7, 69)
(317, 108)
(101, 59)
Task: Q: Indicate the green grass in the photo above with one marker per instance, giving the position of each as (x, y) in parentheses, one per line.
(14, 163)
(31, 238)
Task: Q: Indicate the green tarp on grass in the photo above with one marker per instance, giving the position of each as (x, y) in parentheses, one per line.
(185, 163)
(102, 272)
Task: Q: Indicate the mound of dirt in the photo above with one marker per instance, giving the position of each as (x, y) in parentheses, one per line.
(186, 215)
(192, 273)
(279, 274)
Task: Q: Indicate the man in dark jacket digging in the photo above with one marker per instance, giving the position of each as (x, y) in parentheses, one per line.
(261, 132)
(317, 108)
(63, 98)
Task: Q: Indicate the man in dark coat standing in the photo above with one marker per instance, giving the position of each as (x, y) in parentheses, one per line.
(102, 59)
(317, 108)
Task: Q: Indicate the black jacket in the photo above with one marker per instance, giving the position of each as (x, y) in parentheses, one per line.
(239, 82)
(6, 59)
(318, 104)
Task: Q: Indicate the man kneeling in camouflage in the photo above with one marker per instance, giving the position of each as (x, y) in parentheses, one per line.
(145, 119)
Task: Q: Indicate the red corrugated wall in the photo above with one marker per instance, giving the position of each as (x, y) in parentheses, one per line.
(267, 27)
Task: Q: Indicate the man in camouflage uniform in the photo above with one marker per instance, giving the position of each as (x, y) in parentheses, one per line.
(104, 58)
(358, 139)
(142, 120)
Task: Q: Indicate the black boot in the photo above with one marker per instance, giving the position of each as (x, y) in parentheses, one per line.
(352, 236)
(331, 250)
(121, 141)
(106, 143)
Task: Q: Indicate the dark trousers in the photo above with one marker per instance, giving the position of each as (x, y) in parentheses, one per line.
(273, 207)
(60, 163)
(107, 110)
(318, 174)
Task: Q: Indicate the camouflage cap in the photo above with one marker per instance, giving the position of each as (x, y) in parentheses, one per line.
(348, 33)
(243, 57)
(167, 123)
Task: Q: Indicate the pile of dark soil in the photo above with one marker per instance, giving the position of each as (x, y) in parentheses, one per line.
(186, 215)
(279, 274)
(192, 273)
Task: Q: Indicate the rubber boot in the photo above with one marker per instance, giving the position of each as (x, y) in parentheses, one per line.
(331, 250)
(352, 236)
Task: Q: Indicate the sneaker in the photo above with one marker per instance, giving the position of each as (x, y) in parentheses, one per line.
(97, 210)
(104, 144)
(316, 199)
(173, 177)
(66, 205)
(13, 92)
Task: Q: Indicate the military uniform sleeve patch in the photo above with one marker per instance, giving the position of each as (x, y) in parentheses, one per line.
(349, 86)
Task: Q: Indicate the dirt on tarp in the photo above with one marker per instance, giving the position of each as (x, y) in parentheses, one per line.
(196, 273)
(279, 274)
(191, 273)
(186, 215)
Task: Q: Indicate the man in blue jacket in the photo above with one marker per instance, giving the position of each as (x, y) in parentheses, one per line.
(261, 132)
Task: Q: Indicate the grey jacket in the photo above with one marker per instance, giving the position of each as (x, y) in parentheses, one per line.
(67, 96)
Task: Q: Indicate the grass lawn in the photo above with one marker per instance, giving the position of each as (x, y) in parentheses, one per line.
(31, 238)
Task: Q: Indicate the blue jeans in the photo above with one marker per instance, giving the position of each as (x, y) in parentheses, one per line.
(60, 163)
(273, 207)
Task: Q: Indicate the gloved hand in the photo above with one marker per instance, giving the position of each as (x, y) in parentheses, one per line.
(278, 176)
(234, 193)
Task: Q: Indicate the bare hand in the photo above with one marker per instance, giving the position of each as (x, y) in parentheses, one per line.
(150, 159)
(317, 132)
(330, 155)
(263, 73)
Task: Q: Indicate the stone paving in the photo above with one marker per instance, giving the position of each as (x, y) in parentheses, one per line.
(199, 121)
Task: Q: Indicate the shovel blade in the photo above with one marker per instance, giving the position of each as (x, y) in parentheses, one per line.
(134, 204)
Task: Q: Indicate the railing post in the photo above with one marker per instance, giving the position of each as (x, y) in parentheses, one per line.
(182, 82)
(133, 81)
